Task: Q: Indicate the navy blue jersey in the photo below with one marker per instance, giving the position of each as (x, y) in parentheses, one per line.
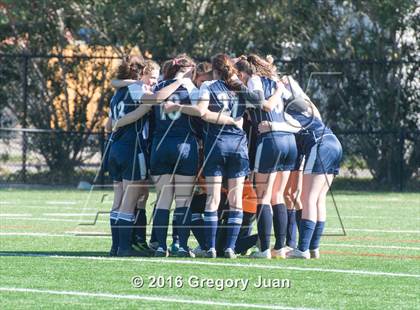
(174, 124)
(124, 101)
(256, 113)
(302, 111)
(228, 138)
(222, 99)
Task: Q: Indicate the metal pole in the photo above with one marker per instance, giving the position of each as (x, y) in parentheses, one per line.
(24, 121)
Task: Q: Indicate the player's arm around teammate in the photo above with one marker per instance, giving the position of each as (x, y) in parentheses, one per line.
(323, 153)
(275, 155)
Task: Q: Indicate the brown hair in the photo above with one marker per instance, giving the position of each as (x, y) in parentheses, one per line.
(225, 67)
(203, 68)
(180, 63)
(149, 66)
(262, 66)
(243, 65)
(131, 67)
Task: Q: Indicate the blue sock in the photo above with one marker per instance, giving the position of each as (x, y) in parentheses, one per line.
(291, 228)
(210, 228)
(316, 237)
(153, 233)
(280, 225)
(245, 243)
(298, 219)
(197, 227)
(140, 224)
(265, 222)
(183, 219)
(113, 217)
(125, 224)
(306, 231)
(175, 235)
(160, 225)
(234, 224)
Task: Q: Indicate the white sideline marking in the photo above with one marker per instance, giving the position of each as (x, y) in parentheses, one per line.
(373, 230)
(343, 245)
(16, 214)
(376, 217)
(85, 221)
(29, 234)
(56, 208)
(204, 263)
(143, 297)
(72, 214)
(53, 202)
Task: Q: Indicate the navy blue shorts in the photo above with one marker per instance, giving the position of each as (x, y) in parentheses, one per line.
(231, 166)
(324, 156)
(175, 155)
(127, 161)
(276, 151)
(300, 139)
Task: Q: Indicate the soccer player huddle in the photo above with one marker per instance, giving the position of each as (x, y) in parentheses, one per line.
(232, 144)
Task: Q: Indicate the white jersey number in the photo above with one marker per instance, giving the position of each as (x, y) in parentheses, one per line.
(173, 115)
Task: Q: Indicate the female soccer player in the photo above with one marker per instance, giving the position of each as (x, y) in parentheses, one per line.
(275, 155)
(226, 153)
(128, 154)
(323, 153)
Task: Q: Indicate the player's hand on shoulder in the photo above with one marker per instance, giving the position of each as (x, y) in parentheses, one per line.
(264, 126)
(171, 106)
(239, 122)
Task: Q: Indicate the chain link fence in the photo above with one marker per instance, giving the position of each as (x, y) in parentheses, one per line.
(54, 107)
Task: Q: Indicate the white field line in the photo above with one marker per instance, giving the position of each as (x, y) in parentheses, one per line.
(36, 234)
(55, 208)
(373, 230)
(85, 221)
(73, 214)
(16, 214)
(144, 297)
(219, 264)
(343, 245)
(377, 217)
(54, 202)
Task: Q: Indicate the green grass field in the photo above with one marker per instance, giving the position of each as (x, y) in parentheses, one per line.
(49, 260)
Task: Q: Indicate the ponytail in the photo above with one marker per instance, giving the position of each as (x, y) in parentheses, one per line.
(180, 63)
(222, 64)
(131, 67)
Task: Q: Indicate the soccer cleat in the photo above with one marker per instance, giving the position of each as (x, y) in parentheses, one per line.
(143, 247)
(229, 253)
(154, 245)
(131, 252)
(113, 252)
(184, 253)
(314, 253)
(174, 249)
(211, 253)
(198, 252)
(258, 254)
(161, 252)
(296, 253)
(280, 253)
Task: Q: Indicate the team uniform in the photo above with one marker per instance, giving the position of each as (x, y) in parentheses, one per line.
(321, 148)
(276, 150)
(127, 160)
(174, 147)
(226, 154)
(128, 155)
(225, 147)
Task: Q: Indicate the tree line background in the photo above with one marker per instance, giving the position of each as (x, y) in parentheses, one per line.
(371, 48)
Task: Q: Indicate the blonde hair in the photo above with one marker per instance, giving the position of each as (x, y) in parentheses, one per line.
(149, 66)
